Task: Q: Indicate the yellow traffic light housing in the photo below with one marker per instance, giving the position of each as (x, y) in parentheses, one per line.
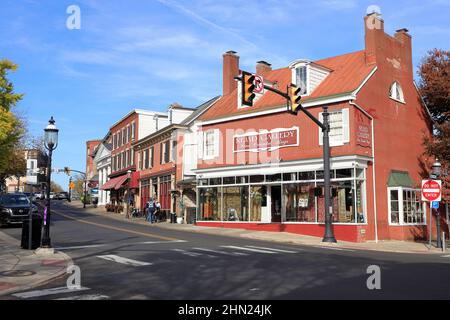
(294, 98)
(248, 85)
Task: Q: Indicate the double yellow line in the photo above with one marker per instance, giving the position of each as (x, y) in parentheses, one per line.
(148, 235)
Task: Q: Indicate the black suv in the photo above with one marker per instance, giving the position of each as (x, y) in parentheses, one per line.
(14, 208)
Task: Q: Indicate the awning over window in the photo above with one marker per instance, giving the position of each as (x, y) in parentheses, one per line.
(120, 181)
(114, 183)
(400, 179)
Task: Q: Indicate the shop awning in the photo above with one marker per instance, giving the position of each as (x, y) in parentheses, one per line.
(400, 179)
(135, 180)
(120, 181)
(110, 184)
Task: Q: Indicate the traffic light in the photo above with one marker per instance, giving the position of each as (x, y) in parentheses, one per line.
(295, 97)
(248, 85)
(67, 171)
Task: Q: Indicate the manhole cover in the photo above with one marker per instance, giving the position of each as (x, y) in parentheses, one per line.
(17, 273)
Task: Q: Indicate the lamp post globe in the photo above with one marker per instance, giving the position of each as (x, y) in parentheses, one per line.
(437, 168)
(50, 143)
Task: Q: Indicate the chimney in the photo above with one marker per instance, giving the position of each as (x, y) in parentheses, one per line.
(403, 36)
(230, 70)
(374, 31)
(262, 67)
(405, 46)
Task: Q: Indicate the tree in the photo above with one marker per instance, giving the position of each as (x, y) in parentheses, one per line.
(434, 86)
(12, 129)
(54, 187)
(79, 185)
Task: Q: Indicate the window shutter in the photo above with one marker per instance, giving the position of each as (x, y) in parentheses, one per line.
(346, 125)
(216, 142)
(161, 146)
(152, 155)
(320, 130)
(200, 147)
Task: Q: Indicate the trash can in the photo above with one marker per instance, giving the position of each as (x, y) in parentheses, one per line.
(36, 232)
(173, 217)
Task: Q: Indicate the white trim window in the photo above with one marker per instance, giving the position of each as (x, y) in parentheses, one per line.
(301, 79)
(339, 127)
(405, 206)
(396, 92)
(211, 144)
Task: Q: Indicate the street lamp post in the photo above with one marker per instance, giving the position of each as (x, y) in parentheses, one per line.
(436, 171)
(50, 143)
(127, 198)
(329, 234)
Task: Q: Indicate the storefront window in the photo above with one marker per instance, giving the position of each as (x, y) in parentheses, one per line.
(405, 206)
(258, 200)
(229, 180)
(257, 179)
(300, 202)
(305, 176)
(343, 202)
(210, 204)
(273, 178)
(235, 203)
(215, 182)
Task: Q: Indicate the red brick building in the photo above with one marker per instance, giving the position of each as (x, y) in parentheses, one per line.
(91, 146)
(161, 162)
(136, 124)
(261, 167)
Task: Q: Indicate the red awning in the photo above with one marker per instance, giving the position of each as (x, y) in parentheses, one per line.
(120, 181)
(110, 184)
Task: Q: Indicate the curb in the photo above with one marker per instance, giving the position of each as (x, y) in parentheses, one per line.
(240, 233)
(38, 283)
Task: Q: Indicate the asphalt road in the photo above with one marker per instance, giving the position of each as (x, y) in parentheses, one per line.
(121, 260)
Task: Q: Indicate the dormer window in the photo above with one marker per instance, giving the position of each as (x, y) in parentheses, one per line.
(396, 92)
(301, 79)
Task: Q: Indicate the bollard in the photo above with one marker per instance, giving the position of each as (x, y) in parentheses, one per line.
(443, 242)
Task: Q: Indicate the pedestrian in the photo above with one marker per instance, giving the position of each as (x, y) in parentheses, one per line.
(150, 207)
(157, 211)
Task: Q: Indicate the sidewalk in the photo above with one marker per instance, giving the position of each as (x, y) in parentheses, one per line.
(281, 237)
(22, 270)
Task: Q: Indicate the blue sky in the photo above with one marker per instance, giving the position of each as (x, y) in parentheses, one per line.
(151, 53)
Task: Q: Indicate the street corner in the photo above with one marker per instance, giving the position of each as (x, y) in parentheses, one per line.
(24, 269)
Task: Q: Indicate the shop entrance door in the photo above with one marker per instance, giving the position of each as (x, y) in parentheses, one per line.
(276, 203)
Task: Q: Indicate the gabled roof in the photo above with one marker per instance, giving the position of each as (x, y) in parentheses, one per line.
(347, 73)
(199, 111)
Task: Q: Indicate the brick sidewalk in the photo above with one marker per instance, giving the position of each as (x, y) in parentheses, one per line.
(281, 237)
(22, 270)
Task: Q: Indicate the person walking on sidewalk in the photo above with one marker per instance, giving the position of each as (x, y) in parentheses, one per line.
(151, 206)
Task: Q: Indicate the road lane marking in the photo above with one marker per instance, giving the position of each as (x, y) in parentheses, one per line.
(222, 252)
(249, 249)
(157, 242)
(446, 256)
(148, 235)
(47, 292)
(272, 249)
(126, 261)
(86, 297)
(188, 253)
(80, 247)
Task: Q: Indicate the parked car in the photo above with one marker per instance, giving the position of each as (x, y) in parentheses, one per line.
(52, 195)
(14, 208)
(62, 196)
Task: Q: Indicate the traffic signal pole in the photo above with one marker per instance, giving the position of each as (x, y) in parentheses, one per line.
(325, 126)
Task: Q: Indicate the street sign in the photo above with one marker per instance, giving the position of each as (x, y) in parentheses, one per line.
(259, 84)
(431, 190)
(72, 185)
(435, 205)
